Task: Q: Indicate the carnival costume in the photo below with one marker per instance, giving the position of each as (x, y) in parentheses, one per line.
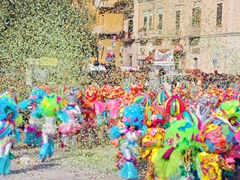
(70, 128)
(170, 161)
(217, 138)
(128, 145)
(33, 130)
(8, 133)
(50, 110)
(155, 118)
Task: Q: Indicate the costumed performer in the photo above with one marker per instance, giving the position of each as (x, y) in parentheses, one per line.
(70, 128)
(217, 138)
(50, 109)
(155, 118)
(133, 117)
(33, 129)
(8, 133)
(170, 161)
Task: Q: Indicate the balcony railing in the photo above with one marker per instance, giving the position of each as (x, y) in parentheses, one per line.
(150, 34)
(142, 34)
(174, 33)
(156, 33)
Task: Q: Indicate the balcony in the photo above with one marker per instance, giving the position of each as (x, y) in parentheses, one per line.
(155, 33)
(150, 34)
(142, 34)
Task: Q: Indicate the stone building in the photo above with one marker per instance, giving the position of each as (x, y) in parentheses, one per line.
(207, 30)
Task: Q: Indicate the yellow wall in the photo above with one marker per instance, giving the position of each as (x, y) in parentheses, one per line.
(110, 23)
(113, 22)
(103, 53)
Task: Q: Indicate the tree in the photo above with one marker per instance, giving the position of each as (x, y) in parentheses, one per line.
(46, 28)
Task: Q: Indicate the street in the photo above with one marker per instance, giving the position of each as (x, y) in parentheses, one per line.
(97, 164)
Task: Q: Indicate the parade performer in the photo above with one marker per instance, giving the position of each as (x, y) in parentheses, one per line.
(70, 128)
(50, 109)
(129, 137)
(33, 129)
(155, 118)
(175, 160)
(217, 138)
(8, 133)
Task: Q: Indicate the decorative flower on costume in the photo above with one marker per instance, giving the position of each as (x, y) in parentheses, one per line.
(91, 93)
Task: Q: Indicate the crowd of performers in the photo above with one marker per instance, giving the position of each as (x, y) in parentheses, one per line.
(187, 133)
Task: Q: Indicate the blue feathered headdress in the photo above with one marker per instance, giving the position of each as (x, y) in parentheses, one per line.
(133, 115)
(36, 95)
(6, 107)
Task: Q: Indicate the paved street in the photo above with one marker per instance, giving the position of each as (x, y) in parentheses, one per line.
(97, 164)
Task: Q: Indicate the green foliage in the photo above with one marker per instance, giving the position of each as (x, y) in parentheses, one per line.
(46, 28)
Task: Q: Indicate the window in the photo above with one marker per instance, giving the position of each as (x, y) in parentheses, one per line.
(195, 63)
(219, 14)
(150, 23)
(177, 23)
(130, 26)
(193, 41)
(145, 22)
(196, 16)
(160, 21)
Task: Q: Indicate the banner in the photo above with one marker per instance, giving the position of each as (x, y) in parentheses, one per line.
(45, 61)
(166, 57)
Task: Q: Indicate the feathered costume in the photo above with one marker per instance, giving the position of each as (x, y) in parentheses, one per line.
(33, 130)
(170, 162)
(155, 118)
(9, 134)
(133, 116)
(50, 109)
(216, 137)
(70, 128)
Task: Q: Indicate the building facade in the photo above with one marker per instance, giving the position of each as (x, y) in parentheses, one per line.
(207, 30)
(109, 28)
